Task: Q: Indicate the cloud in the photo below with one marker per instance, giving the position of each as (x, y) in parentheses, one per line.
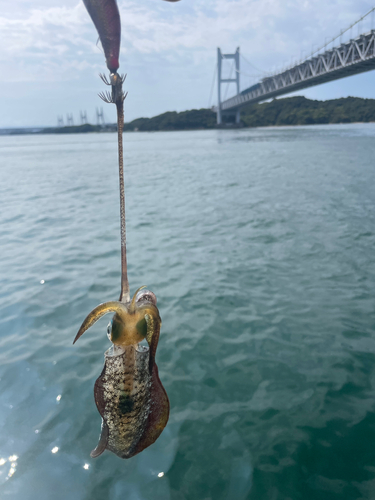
(165, 46)
(41, 42)
(50, 42)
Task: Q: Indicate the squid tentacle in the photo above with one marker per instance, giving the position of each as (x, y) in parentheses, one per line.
(97, 313)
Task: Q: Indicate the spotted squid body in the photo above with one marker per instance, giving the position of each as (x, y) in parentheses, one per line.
(128, 394)
(130, 398)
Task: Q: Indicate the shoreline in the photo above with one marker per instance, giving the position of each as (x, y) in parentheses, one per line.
(18, 132)
(291, 111)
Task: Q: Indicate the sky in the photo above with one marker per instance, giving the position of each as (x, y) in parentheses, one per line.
(50, 59)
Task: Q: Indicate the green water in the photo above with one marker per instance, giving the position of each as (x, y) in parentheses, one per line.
(259, 245)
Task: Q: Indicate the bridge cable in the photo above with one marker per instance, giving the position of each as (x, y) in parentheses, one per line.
(343, 31)
(212, 87)
(326, 44)
(230, 76)
(253, 65)
(254, 77)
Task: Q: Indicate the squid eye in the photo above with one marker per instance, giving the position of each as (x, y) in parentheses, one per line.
(109, 330)
(146, 296)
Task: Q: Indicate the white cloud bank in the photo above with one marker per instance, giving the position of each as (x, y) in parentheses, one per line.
(164, 45)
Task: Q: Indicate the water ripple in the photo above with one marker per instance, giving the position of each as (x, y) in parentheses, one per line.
(259, 245)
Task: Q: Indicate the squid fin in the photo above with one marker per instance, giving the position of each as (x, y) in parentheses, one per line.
(159, 414)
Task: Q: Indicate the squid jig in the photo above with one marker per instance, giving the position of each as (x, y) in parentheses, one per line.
(129, 395)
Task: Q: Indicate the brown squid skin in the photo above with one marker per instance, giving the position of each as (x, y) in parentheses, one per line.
(132, 402)
(130, 398)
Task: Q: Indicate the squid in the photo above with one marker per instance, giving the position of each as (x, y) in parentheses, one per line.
(129, 395)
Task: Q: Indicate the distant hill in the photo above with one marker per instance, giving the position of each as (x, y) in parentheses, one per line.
(301, 111)
(79, 129)
(289, 111)
(186, 120)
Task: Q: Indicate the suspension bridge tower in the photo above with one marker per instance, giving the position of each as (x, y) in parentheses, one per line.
(100, 116)
(220, 80)
(83, 115)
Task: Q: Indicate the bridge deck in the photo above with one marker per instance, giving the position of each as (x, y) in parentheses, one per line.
(353, 57)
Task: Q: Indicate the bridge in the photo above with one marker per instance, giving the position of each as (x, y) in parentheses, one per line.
(352, 57)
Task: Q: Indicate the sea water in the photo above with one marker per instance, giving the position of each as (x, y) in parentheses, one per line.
(260, 246)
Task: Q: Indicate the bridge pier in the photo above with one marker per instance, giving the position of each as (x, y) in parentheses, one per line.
(229, 118)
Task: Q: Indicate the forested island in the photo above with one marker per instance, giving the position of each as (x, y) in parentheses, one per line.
(289, 111)
(279, 112)
(301, 111)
